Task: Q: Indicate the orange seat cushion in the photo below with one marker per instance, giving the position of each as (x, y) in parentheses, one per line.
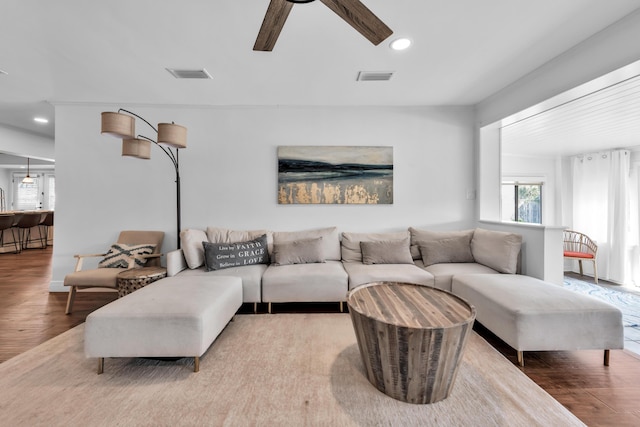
(578, 255)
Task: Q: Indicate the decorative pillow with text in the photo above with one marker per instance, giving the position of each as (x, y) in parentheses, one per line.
(218, 256)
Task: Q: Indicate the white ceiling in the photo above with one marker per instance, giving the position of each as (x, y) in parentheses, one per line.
(600, 115)
(79, 51)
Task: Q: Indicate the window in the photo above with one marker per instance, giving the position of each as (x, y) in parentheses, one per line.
(26, 197)
(522, 202)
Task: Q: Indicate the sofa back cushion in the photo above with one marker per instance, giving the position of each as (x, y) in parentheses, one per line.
(496, 249)
(351, 249)
(191, 244)
(330, 240)
(440, 245)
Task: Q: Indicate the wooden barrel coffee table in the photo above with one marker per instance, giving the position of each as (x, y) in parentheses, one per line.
(411, 338)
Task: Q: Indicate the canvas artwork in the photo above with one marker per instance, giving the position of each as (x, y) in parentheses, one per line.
(335, 175)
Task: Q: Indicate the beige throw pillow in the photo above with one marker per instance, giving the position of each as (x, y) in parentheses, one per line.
(448, 250)
(304, 251)
(386, 252)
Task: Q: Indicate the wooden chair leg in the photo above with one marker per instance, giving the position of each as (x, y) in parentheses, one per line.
(606, 357)
(580, 264)
(595, 271)
(70, 299)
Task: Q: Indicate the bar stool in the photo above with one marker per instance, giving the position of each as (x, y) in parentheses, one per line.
(6, 223)
(48, 222)
(25, 224)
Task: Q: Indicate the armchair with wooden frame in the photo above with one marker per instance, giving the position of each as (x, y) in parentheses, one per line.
(107, 277)
(580, 247)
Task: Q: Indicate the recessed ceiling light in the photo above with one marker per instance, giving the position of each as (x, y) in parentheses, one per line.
(40, 120)
(400, 44)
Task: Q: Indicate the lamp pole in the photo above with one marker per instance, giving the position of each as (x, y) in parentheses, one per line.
(175, 160)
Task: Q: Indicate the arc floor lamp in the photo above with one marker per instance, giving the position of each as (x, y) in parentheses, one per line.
(171, 135)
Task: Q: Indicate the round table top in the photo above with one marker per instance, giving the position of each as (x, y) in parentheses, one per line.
(409, 305)
(139, 273)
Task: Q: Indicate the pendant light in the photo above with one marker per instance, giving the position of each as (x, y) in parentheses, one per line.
(27, 179)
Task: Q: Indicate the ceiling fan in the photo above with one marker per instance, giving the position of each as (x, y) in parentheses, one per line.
(353, 12)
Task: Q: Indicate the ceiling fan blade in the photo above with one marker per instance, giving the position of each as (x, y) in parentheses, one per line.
(361, 18)
(272, 24)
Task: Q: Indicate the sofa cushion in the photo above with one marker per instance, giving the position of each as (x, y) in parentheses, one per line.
(218, 256)
(299, 252)
(320, 282)
(447, 250)
(120, 255)
(496, 249)
(191, 244)
(251, 276)
(359, 274)
(386, 252)
(443, 273)
(351, 250)
(330, 239)
(425, 237)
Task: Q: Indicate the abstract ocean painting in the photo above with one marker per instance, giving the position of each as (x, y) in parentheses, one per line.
(335, 175)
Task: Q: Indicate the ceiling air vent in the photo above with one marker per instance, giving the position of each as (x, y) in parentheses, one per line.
(189, 74)
(374, 76)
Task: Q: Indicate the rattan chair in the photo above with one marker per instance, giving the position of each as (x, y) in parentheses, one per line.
(580, 247)
(106, 277)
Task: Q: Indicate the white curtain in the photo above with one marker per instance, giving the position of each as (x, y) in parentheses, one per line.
(601, 209)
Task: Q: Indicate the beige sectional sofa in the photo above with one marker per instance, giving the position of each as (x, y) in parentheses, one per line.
(322, 265)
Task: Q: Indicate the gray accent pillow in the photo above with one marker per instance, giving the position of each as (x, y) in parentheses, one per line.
(496, 249)
(448, 250)
(351, 250)
(386, 252)
(303, 251)
(422, 237)
(218, 256)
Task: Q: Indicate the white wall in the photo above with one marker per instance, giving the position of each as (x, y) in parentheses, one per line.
(229, 172)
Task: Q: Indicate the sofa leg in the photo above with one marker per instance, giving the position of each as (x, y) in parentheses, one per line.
(606, 357)
(341, 307)
(521, 358)
(196, 364)
(100, 365)
(255, 308)
(269, 308)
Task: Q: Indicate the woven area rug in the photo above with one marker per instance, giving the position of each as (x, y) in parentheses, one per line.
(627, 302)
(271, 370)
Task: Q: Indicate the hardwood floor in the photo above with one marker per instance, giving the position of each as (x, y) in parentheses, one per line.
(598, 395)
